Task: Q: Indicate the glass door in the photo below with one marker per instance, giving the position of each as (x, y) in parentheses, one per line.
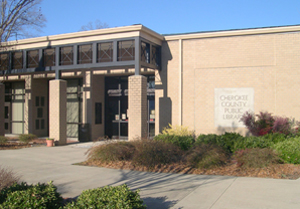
(116, 106)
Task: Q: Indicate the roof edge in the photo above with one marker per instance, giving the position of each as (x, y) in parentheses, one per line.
(233, 32)
(80, 34)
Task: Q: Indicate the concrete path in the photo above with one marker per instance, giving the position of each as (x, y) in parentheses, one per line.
(158, 190)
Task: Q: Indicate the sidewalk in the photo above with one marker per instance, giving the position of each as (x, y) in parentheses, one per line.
(158, 190)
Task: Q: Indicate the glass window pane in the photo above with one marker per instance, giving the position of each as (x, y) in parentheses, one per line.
(105, 52)
(33, 59)
(66, 55)
(49, 57)
(156, 56)
(17, 60)
(126, 50)
(4, 60)
(85, 54)
(145, 52)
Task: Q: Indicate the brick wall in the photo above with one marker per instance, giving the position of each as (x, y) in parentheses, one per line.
(137, 107)
(268, 63)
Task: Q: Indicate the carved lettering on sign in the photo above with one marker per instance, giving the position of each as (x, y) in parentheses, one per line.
(231, 104)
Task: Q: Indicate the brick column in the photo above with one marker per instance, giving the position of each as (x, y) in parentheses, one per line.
(137, 104)
(58, 111)
(28, 126)
(2, 98)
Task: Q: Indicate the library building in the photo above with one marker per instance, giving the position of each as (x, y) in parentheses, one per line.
(131, 82)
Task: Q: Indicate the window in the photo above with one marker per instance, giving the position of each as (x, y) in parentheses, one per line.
(42, 101)
(145, 52)
(39, 112)
(155, 56)
(17, 60)
(49, 57)
(37, 101)
(105, 52)
(4, 60)
(37, 124)
(98, 113)
(42, 124)
(85, 54)
(126, 50)
(66, 55)
(33, 59)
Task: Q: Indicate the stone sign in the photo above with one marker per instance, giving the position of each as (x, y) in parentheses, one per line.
(231, 104)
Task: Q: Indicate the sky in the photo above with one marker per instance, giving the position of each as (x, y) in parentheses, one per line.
(169, 17)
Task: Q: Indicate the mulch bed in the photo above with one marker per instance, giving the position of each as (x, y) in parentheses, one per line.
(277, 171)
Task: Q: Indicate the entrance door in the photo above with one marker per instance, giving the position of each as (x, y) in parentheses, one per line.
(116, 106)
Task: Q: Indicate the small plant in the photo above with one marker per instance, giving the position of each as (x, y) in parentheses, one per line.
(118, 197)
(7, 177)
(22, 195)
(150, 153)
(289, 150)
(177, 130)
(206, 156)
(27, 137)
(3, 139)
(184, 142)
(112, 152)
(256, 157)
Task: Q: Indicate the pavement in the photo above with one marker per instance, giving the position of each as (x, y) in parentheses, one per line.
(158, 190)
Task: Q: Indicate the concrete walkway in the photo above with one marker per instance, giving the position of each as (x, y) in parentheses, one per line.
(158, 190)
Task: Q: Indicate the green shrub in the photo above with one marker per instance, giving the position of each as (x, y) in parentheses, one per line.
(178, 131)
(256, 157)
(7, 177)
(27, 137)
(206, 156)
(264, 141)
(30, 196)
(150, 153)
(112, 152)
(184, 142)
(289, 150)
(226, 141)
(118, 197)
(3, 139)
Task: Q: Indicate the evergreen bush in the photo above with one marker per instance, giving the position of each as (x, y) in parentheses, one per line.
(118, 197)
(22, 195)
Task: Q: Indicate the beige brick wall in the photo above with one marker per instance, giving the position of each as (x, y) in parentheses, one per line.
(166, 87)
(98, 96)
(2, 100)
(57, 110)
(268, 63)
(28, 126)
(137, 107)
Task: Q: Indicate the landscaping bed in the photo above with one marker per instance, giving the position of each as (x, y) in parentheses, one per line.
(280, 171)
(272, 151)
(16, 144)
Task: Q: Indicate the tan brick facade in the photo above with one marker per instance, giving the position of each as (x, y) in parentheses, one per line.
(2, 99)
(268, 63)
(57, 110)
(137, 107)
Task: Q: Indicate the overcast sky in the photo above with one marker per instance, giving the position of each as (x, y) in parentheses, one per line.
(167, 17)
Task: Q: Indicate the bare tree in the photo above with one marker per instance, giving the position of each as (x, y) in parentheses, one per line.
(90, 26)
(19, 18)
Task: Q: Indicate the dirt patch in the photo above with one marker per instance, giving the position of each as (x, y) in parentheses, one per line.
(278, 171)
